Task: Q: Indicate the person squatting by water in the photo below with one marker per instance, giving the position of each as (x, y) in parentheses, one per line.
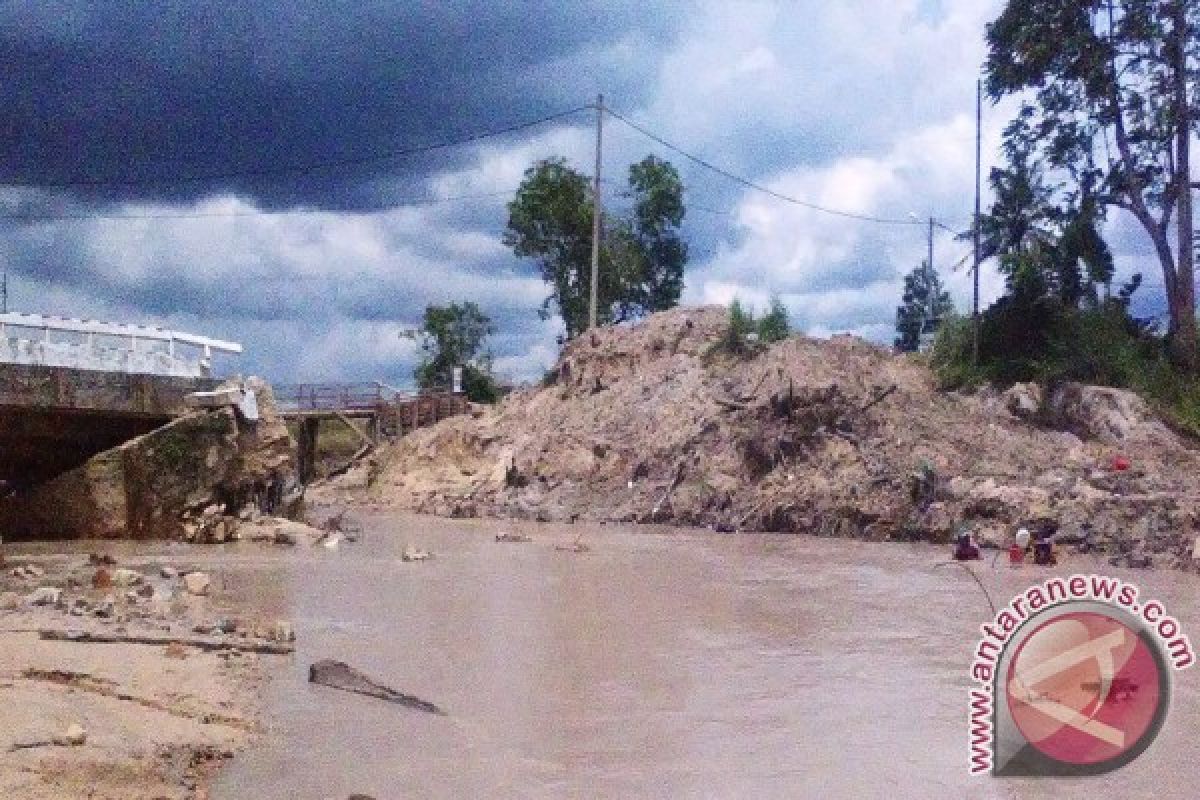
(1041, 547)
(965, 548)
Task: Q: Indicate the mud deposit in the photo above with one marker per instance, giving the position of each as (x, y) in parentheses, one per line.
(660, 663)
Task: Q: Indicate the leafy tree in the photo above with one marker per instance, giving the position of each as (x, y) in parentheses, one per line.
(1112, 112)
(641, 255)
(455, 336)
(922, 288)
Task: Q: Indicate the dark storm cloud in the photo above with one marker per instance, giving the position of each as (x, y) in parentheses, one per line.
(151, 91)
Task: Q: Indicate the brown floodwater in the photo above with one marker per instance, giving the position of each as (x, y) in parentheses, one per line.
(661, 664)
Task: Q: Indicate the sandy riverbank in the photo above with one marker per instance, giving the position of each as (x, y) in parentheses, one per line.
(160, 720)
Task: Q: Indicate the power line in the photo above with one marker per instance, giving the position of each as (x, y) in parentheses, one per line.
(313, 166)
(756, 186)
(231, 214)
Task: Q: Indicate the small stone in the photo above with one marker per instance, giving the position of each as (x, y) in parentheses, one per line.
(102, 579)
(126, 577)
(45, 596)
(175, 650)
(225, 625)
(74, 737)
(284, 537)
(101, 559)
(168, 573)
(414, 554)
(104, 610)
(282, 632)
(145, 590)
(197, 583)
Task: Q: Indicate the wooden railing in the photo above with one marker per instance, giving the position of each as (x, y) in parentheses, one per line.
(394, 412)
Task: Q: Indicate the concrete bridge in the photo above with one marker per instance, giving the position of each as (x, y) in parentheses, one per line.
(71, 388)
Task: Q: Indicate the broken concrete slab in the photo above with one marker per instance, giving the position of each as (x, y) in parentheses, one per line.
(145, 488)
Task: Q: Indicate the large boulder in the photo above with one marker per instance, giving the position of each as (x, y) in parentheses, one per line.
(148, 487)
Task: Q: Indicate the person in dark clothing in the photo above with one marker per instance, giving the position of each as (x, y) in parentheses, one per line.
(964, 548)
(1043, 551)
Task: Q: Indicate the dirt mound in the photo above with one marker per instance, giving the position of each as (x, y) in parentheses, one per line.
(653, 422)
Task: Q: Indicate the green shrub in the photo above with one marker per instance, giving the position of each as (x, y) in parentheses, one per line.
(747, 336)
(1036, 342)
(774, 326)
(736, 338)
(951, 355)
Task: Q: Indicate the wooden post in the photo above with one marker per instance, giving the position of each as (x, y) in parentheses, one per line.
(306, 458)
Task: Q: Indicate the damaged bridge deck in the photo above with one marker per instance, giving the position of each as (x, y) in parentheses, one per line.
(54, 418)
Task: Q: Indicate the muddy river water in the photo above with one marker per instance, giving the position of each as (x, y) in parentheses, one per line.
(660, 664)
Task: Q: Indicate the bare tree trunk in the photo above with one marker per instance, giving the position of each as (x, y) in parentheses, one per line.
(1183, 304)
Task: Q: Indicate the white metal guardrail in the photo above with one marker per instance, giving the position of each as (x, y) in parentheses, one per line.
(39, 340)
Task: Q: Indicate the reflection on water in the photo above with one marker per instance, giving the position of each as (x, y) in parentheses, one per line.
(676, 664)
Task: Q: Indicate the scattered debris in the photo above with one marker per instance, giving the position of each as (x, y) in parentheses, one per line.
(45, 596)
(281, 631)
(75, 736)
(102, 579)
(414, 554)
(126, 577)
(513, 537)
(339, 675)
(197, 583)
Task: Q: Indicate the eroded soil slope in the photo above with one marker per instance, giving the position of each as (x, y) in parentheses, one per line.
(653, 423)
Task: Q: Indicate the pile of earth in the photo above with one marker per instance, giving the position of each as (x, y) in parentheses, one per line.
(656, 422)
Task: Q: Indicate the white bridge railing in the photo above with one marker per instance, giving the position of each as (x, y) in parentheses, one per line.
(34, 339)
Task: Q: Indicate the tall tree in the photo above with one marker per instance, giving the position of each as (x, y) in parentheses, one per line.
(641, 255)
(1043, 249)
(1113, 111)
(923, 295)
(456, 336)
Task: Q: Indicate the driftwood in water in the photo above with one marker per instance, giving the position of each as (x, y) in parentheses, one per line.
(338, 675)
(84, 637)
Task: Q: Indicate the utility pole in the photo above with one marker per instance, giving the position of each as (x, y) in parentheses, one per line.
(597, 211)
(929, 272)
(4, 291)
(978, 170)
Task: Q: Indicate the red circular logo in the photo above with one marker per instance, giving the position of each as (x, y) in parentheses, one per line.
(1084, 688)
